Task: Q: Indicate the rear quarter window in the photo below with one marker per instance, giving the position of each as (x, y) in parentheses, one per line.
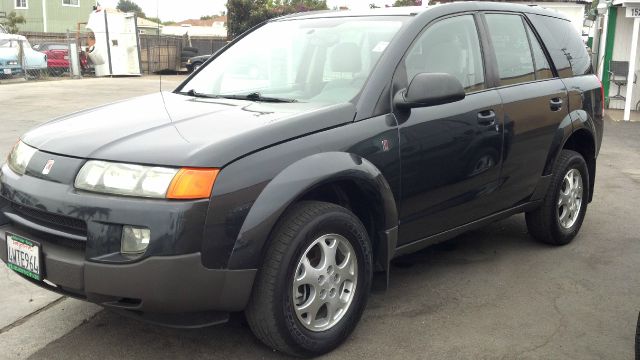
(567, 50)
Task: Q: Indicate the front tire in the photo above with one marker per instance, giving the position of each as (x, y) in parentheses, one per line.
(313, 286)
(559, 218)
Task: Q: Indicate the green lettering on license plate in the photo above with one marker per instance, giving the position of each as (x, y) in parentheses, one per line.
(23, 271)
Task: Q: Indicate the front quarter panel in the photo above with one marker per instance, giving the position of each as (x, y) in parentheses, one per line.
(251, 193)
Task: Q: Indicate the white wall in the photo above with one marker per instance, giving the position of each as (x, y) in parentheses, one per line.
(621, 48)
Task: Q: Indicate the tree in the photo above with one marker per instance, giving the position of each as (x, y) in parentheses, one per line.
(373, 6)
(245, 14)
(130, 6)
(11, 22)
(206, 17)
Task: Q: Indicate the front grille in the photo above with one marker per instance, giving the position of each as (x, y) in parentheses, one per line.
(50, 220)
(53, 239)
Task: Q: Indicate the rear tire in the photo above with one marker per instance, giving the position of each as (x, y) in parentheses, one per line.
(559, 218)
(306, 308)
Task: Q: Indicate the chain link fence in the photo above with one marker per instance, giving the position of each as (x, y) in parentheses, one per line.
(69, 55)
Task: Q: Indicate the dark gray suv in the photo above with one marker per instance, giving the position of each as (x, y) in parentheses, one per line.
(287, 171)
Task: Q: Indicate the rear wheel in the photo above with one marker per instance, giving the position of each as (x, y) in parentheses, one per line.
(314, 283)
(559, 218)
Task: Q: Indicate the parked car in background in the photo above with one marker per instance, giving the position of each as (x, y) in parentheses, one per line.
(195, 62)
(58, 57)
(10, 62)
(302, 159)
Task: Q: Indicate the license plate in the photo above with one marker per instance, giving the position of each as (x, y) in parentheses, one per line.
(23, 256)
(7, 71)
(66, 57)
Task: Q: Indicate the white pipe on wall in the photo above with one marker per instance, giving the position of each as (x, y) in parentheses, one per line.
(632, 68)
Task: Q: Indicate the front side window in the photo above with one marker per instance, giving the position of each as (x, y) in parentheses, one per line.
(22, 4)
(324, 60)
(71, 2)
(511, 45)
(449, 46)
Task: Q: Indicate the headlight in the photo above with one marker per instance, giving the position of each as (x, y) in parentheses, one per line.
(20, 156)
(146, 181)
(188, 61)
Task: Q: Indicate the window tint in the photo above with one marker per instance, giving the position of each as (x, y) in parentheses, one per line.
(509, 38)
(543, 70)
(449, 46)
(567, 50)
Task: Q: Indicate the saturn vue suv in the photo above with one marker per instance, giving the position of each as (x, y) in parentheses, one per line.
(295, 164)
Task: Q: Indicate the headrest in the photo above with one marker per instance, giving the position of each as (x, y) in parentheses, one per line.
(345, 57)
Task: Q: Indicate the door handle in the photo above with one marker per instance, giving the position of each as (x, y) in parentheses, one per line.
(555, 104)
(487, 118)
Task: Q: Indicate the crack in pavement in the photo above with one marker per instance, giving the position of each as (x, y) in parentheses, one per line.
(26, 318)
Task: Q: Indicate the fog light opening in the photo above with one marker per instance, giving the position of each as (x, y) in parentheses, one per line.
(135, 240)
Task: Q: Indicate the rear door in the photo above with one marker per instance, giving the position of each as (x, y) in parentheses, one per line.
(450, 153)
(534, 103)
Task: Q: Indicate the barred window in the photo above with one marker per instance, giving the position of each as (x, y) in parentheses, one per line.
(22, 4)
(71, 2)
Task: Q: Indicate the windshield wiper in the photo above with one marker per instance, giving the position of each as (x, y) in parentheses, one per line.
(254, 96)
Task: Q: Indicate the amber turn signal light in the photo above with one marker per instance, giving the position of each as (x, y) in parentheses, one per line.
(192, 183)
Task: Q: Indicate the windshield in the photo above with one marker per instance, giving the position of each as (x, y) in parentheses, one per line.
(312, 60)
(8, 43)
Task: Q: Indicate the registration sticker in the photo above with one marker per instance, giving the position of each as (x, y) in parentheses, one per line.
(23, 256)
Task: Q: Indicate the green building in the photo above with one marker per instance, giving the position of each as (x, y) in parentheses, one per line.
(49, 15)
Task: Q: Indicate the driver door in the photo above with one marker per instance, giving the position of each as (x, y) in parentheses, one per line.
(451, 154)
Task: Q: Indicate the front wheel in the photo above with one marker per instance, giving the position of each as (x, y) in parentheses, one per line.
(313, 286)
(559, 218)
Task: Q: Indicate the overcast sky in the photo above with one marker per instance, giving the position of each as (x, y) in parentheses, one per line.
(177, 10)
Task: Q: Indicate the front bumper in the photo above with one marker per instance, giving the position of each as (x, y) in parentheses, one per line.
(161, 284)
(14, 70)
(80, 235)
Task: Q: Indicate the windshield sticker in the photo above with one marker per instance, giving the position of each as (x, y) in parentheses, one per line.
(381, 46)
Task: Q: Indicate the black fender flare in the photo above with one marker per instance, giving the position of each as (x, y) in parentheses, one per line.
(295, 181)
(570, 125)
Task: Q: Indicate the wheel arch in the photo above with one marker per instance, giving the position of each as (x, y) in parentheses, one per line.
(583, 142)
(341, 178)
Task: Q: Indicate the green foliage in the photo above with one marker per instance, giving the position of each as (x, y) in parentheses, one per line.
(206, 17)
(408, 3)
(373, 6)
(130, 6)
(12, 21)
(245, 14)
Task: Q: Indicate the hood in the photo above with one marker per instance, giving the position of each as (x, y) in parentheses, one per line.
(182, 130)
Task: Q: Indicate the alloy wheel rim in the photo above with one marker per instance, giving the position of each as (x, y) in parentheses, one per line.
(570, 198)
(324, 282)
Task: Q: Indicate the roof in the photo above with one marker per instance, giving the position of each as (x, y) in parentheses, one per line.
(199, 22)
(146, 23)
(524, 6)
(11, 37)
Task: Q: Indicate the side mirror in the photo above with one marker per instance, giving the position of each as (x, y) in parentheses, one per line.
(429, 89)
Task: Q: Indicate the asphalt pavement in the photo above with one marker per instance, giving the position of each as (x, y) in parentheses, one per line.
(493, 293)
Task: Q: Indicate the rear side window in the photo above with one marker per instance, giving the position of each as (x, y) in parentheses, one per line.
(511, 45)
(543, 70)
(449, 46)
(567, 50)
